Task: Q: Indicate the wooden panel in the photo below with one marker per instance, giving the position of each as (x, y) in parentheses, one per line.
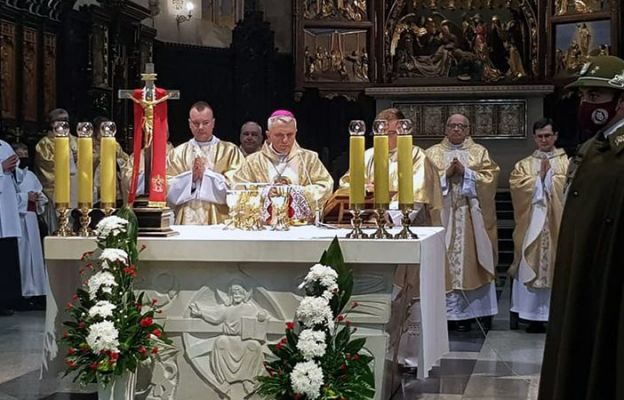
(30, 51)
(8, 77)
(49, 72)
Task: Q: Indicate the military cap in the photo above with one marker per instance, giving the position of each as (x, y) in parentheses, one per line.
(601, 71)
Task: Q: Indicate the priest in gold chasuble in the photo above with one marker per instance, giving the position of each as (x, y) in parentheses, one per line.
(468, 179)
(281, 161)
(427, 191)
(199, 172)
(536, 184)
(44, 168)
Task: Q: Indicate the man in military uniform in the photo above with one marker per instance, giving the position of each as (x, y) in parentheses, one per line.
(584, 354)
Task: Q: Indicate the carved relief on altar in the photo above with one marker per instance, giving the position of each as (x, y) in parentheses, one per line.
(7, 70)
(489, 118)
(335, 55)
(30, 47)
(452, 41)
(347, 10)
(49, 72)
(234, 326)
(100, 56)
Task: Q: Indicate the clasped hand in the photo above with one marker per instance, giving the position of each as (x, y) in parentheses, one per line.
(456, 168)
(199, 166)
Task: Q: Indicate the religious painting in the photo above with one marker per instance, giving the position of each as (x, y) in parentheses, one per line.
(8, 77)
(340, 10)
(49, 72)
(575, 42)
(568, 7)
(450, 42)
(489, 119)
(335, 55)
(30, 50)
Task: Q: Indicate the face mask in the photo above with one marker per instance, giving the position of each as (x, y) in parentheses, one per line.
(593, 117)
(24, 162)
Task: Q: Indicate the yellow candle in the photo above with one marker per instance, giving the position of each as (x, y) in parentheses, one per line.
(85, 172)
(382, 188)
(356, 170)
(406, 168)
(108, 170)
(61, 170)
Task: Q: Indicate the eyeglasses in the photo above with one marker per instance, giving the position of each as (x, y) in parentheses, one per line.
(201, 123)
(459, 126)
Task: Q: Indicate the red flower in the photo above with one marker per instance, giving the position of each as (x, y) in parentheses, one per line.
(85, 255)
(154, 302)
(70, 363)
(65, 335)
(113, 356)
(71, 351)
(74, 297)
(340, 317)
(146, 322)
(157, 332)
(356, 357)
(142, 349)
(131, 271)
(290, 326)
(154, 350)
(93, 365)
(343, 367)
(82, 325)
(69, 306)
(280, 344)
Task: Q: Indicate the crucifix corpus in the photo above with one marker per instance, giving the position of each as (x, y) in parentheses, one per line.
(150, 140)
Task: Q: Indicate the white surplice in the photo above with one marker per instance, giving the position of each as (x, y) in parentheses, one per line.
(32, 266)
(9, 219)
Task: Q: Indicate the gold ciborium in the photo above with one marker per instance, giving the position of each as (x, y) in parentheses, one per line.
(278, 195)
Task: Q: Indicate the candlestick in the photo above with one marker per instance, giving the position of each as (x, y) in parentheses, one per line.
(356, 223)
(357, 182)
(405, 163)
(405, 232)
(380, 223)
(381, 170)
(108, 167)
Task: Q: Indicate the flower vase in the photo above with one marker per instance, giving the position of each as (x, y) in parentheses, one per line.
(120, 388)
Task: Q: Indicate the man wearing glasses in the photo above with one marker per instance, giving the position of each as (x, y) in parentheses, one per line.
(468, 178)
(199, 171)
(536, 184)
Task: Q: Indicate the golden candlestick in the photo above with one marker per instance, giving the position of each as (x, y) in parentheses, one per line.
(380, 222)
(356, 223)
(63, 221)
(406, 232)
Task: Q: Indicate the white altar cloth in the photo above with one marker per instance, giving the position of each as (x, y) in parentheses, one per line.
(212, 247)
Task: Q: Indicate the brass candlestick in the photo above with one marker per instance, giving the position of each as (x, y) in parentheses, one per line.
(380, 222)
(63, 220)
(85, 220)
(405, 232)
(108, 209)
(356, 223)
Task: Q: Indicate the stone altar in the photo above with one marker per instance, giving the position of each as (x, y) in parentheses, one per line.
(227, 294)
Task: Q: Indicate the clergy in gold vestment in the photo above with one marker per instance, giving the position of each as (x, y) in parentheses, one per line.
(468, 178)
(427, 191)
(199, 172)
(536, 184)
(44, 167)
(282, 161)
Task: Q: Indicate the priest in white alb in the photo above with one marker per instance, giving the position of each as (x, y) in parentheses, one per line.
(199, 172)
(536, 184)
(10, 231)
(31, 202)
(468, 177)
(281, 161)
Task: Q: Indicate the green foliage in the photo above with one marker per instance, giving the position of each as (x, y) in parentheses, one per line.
(139, 335)
(346, 364)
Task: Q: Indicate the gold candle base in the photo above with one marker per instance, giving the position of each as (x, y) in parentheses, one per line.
(380, 222)
(356, 223)
(85, 220)
(405, 232)
(63, 221)
(108, 209)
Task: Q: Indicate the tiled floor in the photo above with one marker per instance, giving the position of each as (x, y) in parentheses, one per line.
(502, 365)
